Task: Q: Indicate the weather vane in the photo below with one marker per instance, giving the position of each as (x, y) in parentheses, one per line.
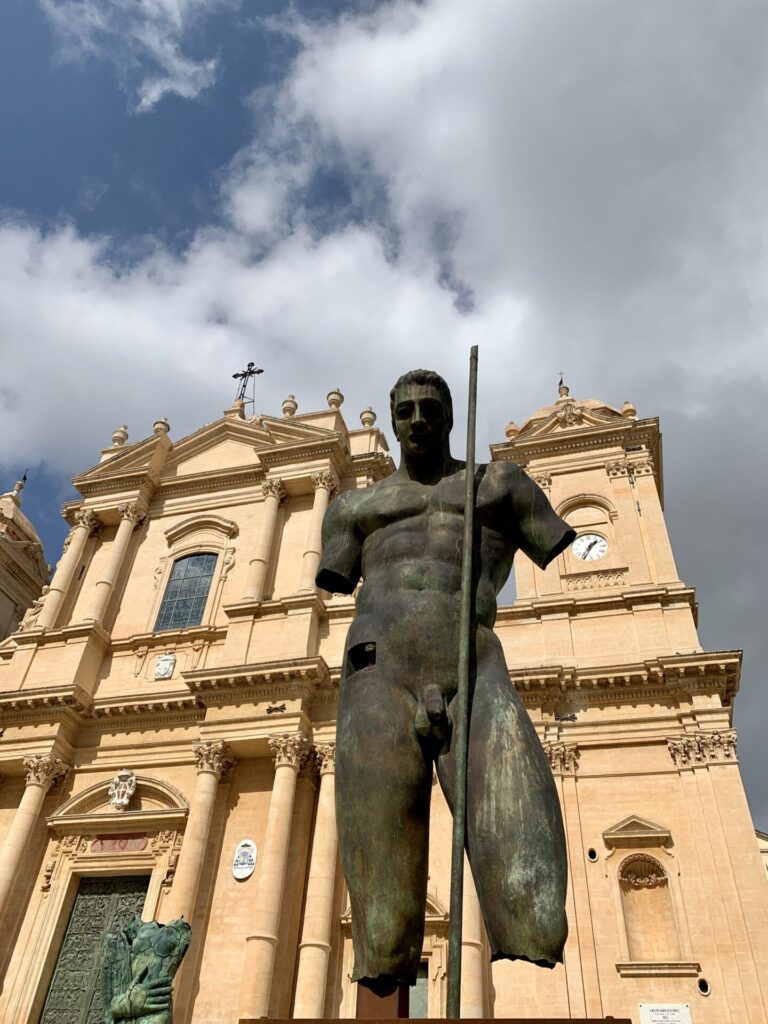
(248, 374)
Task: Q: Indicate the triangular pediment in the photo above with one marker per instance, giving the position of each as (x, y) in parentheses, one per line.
(134, 458)
(635, 831)
(227, 443)
(232, 442)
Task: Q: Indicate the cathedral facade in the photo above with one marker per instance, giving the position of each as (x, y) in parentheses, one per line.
(168, 741)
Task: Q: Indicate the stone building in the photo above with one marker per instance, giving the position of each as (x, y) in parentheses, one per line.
(168, 718)
(23, 572)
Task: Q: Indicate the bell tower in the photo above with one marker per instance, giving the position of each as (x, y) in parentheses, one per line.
(602, 471)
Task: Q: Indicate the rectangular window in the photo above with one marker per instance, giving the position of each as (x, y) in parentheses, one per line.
(187, 591)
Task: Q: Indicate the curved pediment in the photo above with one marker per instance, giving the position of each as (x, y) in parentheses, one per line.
(206, 523)
(151, 796)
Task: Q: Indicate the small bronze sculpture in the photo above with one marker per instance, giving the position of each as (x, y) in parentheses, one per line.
(403, 536)
(137, 968)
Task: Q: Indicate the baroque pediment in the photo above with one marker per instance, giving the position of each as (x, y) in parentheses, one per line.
(570, 415)
(228, 443)
(636, 832)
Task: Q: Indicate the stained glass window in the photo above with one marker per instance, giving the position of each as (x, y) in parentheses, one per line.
(186, 593)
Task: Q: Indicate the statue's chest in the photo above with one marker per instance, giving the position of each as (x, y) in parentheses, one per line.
(418, 502)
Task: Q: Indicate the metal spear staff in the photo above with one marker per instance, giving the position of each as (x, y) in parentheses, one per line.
(461, 719)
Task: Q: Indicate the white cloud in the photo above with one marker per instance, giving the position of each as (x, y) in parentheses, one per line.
(587, 178)
(144, 40)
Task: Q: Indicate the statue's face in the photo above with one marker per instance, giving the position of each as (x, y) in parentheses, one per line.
(420, 419)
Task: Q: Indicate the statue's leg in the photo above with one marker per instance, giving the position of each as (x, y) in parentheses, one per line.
(515, 836)
(383, 788)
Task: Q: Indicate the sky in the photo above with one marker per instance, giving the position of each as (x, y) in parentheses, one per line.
(340, 191)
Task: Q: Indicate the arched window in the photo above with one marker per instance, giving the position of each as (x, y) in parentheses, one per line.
(187, 591)
(648, 914)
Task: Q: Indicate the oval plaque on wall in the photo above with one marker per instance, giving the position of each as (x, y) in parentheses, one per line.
(244, 860)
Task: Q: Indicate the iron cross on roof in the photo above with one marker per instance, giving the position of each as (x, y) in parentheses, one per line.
(244, 376)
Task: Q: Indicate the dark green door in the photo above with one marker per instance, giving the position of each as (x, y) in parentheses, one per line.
(101, 904)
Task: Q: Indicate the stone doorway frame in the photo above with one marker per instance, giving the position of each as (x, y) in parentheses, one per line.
(70, 856)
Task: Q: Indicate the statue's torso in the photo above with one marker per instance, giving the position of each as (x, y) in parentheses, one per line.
(411, 564)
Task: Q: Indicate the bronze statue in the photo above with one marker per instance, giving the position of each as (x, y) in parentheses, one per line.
(137, 968)
(403, 536)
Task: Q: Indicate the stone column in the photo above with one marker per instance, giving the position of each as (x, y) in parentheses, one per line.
(324, 486)
(290, 752)
(274, 494)
(315, 945)
(130, 514)
(212, 763)
(41, 770)
(472, 986)
(85, 521)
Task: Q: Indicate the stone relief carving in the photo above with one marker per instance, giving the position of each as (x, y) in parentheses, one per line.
(326, 757)
(274, 488)
(324, 479)
(563, 757)
(596, 580)
(165, 665)
(121, 789)
(227, 562)
(32, 613)
(570, 414)
(132, 511)
(703, 748)
(87, 518)
(617, 467)
(44, 770)
(544, 480)
(212, 757)
(291, 750)
(642, 872)
(644, 467)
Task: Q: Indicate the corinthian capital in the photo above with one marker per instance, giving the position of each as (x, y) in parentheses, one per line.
(291, 750)
(326, 757)
(87, 518)
(212, 757)
(324, 479)
(44, 770)
(563, 757)
(132, 511)
(702, 747)
(274, 488)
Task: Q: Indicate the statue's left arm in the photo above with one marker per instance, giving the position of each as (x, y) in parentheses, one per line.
(538, 529)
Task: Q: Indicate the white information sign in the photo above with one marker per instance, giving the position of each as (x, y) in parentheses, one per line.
(665, 1013)
(244, 860)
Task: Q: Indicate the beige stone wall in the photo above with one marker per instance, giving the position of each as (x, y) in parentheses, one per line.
(667, 884)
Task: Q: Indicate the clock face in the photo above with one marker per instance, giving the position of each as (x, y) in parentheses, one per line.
(589, 546)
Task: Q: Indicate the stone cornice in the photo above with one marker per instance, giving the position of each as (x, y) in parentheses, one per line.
(302, 675)
(575, 602)
(19, 571)
(125, 821)
(52, 702)
(277, 606)
(696, 673)
(331, 447)
(168, 638)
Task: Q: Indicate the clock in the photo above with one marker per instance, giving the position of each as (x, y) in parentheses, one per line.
(589, 546)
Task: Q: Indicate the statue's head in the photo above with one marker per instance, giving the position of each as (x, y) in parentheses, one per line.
(422, 411)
